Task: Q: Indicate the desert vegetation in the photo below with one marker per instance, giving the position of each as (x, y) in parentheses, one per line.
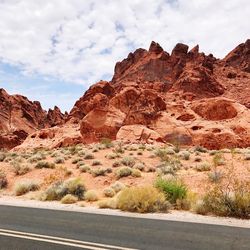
(133, 177)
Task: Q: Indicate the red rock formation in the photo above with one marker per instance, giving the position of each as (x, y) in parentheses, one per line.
(183, 97)
(20, 117)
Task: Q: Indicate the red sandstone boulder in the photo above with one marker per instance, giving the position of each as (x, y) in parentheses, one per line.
(215, 109)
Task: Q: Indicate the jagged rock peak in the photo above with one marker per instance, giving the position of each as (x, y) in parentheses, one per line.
(155, 48)
(180, 50)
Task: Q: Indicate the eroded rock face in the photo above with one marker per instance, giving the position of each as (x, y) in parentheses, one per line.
(215, 109)
(20, 117)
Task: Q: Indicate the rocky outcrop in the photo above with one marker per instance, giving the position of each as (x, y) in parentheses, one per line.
(20, 117)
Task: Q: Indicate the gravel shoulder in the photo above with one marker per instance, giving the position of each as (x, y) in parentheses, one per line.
(173, 215)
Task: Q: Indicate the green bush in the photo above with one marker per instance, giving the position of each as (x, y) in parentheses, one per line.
(107, 142)
(117, 186)
(142, 200)
(96, 163)
(173, 189)
(84, 168)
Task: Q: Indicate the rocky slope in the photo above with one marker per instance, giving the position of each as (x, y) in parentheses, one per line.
(183, 97)
(20, 117)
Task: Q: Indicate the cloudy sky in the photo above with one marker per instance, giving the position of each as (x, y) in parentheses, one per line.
(53, 50)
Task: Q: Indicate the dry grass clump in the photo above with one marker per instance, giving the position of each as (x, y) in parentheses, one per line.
(69, 199)
(20, 169)
(109, 192)
(117, 186)
(205, 166)
(227, 198)
(37, 157)
(142, 200)
(108, 203)
(136, 173)
(45, 164)
(140, 166)
(3, 180)
(25, 186)
(91, 195)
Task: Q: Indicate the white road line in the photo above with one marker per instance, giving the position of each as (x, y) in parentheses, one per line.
(60, 241)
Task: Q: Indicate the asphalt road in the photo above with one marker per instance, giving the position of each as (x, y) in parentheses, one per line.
(41, 229)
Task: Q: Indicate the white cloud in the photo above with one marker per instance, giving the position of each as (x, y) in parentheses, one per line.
(80, 41)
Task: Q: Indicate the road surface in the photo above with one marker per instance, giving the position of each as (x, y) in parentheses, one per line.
(40, 229)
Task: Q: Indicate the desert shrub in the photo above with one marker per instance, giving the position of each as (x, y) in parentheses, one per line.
(2, 157)
(96, 163)
(98, 172)
(69, 199)
(231, 198)
(109, 192)
(213, 152)
(128, 161)
(140, 166)
(111, 156)
(20, 169)
(107, 142)
(117, 186)
(58, 190)
(45, 164)
(200, 149)
(142, 199)
(91, 195)
(76, 160)
(140, 153)
(197, 159)
(136, 173)
(3, 180)
(59, 160)
(84, 168)
(89, 156)
(164, 169)
(25, 186)
(80, 163)
(116, 164)
(215, 176)
(218, 160)
(123, 172)
(247, 157)
(37, 157)
(203, 167)
(173, 189)
(185, 155)
(150, 169)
